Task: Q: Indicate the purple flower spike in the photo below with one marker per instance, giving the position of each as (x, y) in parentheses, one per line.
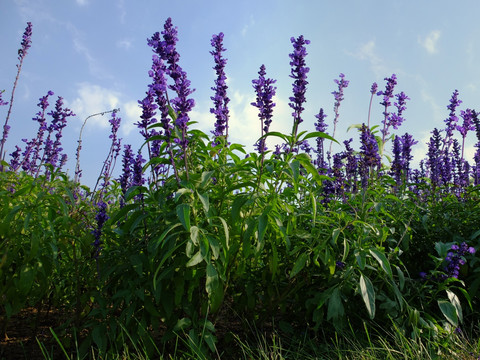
(264, 102)
(299, 74)
(321, 126)
(26, 42)
(220, 100)
(342, 84)
(452, 118)
(387, 96)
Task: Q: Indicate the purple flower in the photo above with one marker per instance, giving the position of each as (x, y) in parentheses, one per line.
(59, 121)
(321, 126)
(373, 91)
(138, 179)
(434, 160)
(468, 125)
(26, 42)
(148, 112)
(340, 265)
(452, 119)
(100, 218)
(159, 89)
(126, 177)
(299, 73)
(220, 99)
(264, 102)
(407, 143)
(397, 162)
(387, 95)
(342, 84)
(166, 50)
(370, 157)
(456, 258)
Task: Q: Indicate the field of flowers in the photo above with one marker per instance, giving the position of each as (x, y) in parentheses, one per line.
(197, 242)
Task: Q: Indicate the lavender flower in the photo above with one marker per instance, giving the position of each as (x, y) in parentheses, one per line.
(407, 143)
(22, 52)
(467, 125)
(220, 99)
(452, 119)
(342, 84)
(370, 158)
(397, 162)
(387, 95)
(138, 179)
(100, 218)
(148, 112)
(299, 74)
(59, 121)
(373, 91)
(126, 177)
(321, 126)
(456, 258)
(434, 160)
(265, 93)
(26, 42)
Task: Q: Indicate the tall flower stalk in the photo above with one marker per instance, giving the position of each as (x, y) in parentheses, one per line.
(181, 104)
(22, 52)
(299, 73)
(338, 94)
(220, 99)
(264, 103)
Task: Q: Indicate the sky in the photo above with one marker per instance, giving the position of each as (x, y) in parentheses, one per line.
(94, 54)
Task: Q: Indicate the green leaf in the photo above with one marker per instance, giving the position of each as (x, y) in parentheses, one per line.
(205, 202)
(262, 229)
(196, 259)
(449, 311)
(335, 305)
(368, 295)
(183, 213)
(182, 324)
(214, 288)
(295, 167)
(299, 264)
(456, 303)
(194, 232)
(319, 134)
(383, 261)
(401, 277)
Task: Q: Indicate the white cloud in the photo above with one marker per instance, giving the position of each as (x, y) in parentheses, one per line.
(94, 99)
(131, 114)
(244, 124)
(82, 2)
(430, 41)
(368, 52)
(124, 43)
(247, 26)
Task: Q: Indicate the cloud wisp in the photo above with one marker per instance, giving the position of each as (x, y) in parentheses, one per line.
(430, 42)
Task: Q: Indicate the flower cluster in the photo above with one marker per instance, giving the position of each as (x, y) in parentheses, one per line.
(321, 126)
(220, 99)
(264, 102)
(338, 95)
(299, 73)
(26, 42)
(456, 258)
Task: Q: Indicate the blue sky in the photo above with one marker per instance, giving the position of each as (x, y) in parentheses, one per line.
(94, 54)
